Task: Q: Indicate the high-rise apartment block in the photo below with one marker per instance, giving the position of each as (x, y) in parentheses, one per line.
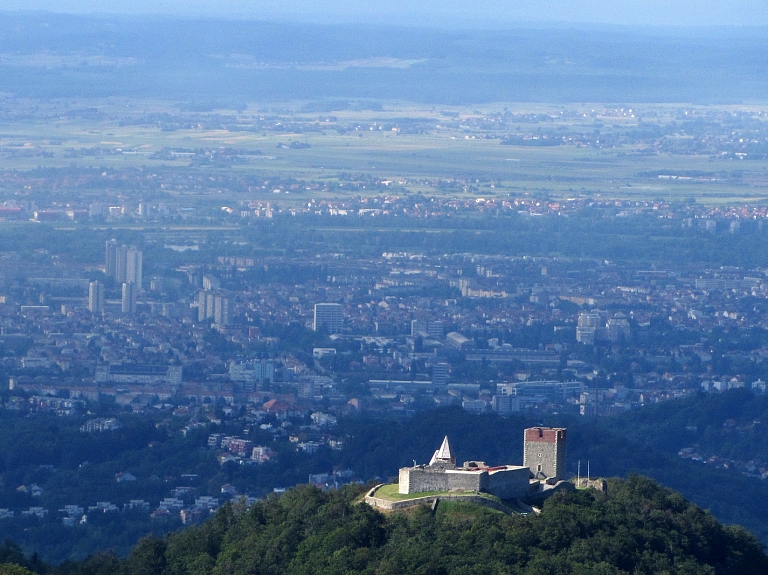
(329, 317)
(204, 305)
(96, 297)
(222, 310)
(123, 263)
(110, 259)
(133, 267)
(211, 283)
(129, 298)
(214, 306)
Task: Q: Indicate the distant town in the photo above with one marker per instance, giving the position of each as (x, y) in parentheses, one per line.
(505, 333)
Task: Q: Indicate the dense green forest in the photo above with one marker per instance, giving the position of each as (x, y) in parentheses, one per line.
(637, 527)
(50, 451)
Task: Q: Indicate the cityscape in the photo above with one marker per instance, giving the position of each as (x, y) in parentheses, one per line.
(267, 286)
(395, 333)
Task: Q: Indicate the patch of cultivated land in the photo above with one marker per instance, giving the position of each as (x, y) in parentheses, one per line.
(720, 154)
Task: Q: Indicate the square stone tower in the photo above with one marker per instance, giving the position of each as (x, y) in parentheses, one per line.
(545, 451)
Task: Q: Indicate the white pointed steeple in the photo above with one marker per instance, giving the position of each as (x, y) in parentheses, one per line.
(443, 455)
(445, 450)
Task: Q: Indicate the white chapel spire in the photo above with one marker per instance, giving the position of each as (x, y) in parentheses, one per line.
(443, 455)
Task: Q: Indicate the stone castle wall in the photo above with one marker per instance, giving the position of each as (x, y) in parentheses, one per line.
(380, 503)
(510, 483)
(417, 480)
(506, 484)
(474, 481)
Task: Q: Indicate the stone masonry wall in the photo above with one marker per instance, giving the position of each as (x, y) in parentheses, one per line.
(404, 481)
(509, 484)
(420, 480)
(466, 481)
(377, 502)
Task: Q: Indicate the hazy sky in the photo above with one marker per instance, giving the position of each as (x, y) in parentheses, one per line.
(441, 12)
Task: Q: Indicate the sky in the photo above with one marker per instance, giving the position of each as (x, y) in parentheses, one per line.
(451, 13)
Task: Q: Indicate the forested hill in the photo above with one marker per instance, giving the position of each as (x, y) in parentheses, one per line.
(638, 527)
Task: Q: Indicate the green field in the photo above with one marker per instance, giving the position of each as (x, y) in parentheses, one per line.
(462, 150)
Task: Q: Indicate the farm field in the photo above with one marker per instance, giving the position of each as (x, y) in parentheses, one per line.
(498, 150)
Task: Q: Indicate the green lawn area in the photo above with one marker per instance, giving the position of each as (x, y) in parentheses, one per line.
(460, 509)
(390, 492)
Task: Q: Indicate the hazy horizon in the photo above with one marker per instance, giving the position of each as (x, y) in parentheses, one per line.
(454, 14)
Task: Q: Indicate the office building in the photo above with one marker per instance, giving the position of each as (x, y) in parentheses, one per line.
(329, 317)
(440, 374)
(427, 328)
(306, 388)
(505, 403)
(554, 391)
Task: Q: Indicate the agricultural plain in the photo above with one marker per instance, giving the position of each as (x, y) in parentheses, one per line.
(673, 152)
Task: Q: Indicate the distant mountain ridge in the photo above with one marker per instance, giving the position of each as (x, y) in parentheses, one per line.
(49, 55)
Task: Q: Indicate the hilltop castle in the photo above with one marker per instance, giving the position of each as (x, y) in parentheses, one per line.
(543, 464)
